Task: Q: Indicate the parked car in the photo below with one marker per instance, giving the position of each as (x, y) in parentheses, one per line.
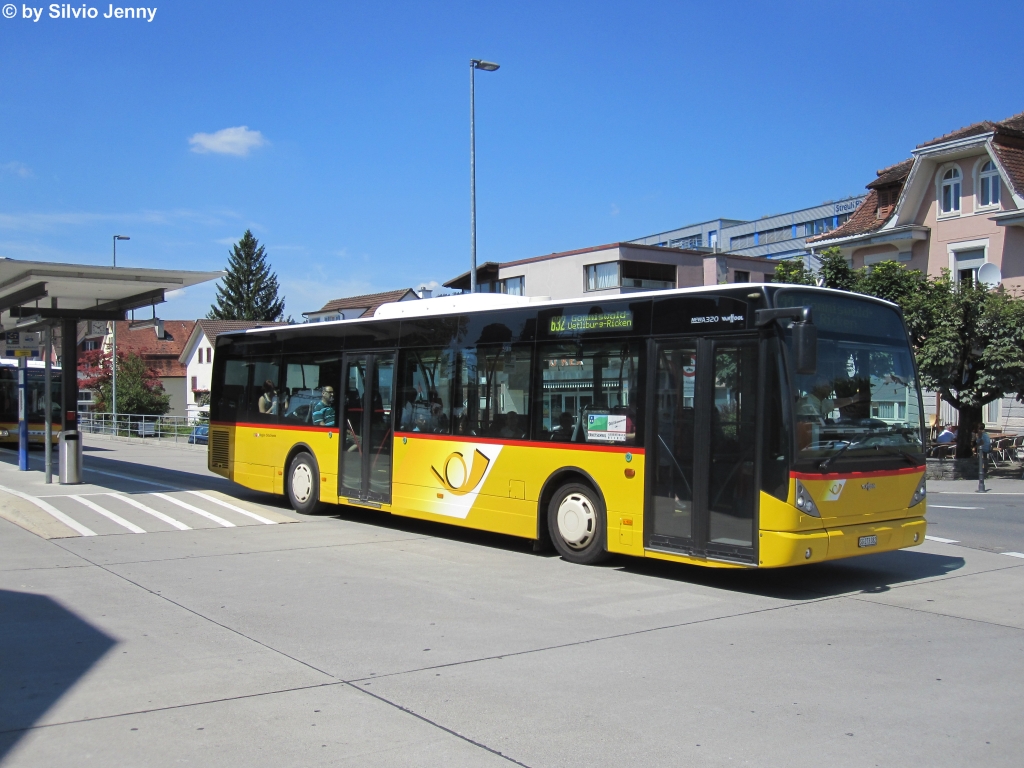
(200, 435)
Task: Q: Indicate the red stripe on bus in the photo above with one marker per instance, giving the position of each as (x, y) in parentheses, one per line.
(841, 475)
(272, 425)
(529, 443)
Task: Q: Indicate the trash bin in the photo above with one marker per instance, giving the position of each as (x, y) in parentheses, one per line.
(70, 458)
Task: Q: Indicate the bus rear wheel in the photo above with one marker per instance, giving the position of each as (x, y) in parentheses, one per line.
(303, 484)
(576, 522)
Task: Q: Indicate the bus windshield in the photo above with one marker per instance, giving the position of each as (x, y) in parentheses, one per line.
(863, 401)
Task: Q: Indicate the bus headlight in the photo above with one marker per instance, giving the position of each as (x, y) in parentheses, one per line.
(804, 502)
(919, 494)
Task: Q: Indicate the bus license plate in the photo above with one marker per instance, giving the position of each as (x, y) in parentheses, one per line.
(867, 541)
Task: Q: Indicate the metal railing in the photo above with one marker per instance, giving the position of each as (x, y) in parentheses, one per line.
(178, 429)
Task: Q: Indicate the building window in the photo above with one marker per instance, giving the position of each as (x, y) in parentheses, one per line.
(743, 241)
(90, 345)
(602, 276)
(630, 274)
(968, 263)
(992, 413)
(642, 274)
(514, 286)
(949, 201)
(741, 276)
(195, 383)
(988, 185)
(209, 354)
(713, 238)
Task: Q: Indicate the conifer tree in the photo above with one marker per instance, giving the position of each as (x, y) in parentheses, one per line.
(249, 289)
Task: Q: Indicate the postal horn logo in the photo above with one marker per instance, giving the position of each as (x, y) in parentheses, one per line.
(457, 477)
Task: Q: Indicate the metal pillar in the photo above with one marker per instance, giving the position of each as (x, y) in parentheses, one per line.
(69, 375)
(22, 413)
(48, 397)
(472, 175)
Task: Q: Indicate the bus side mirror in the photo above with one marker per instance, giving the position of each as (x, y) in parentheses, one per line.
(805, 334)
(805, 347)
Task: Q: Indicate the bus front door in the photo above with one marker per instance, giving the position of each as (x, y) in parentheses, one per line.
(701, 497)
(365, 455)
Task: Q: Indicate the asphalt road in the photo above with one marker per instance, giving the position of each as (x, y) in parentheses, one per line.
(993, 521)
(360, 639)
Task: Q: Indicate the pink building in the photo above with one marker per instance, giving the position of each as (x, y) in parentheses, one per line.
(956, 203)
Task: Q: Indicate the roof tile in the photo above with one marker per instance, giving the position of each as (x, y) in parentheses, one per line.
(371, 300)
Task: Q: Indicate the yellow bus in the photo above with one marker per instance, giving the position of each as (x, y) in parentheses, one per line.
(35, 393)
(733, 426)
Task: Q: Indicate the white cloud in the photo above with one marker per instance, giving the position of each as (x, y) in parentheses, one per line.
(615, 210)
(17, 169)
(228, 141)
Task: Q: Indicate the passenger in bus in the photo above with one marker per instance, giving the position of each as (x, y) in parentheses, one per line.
(408, 410)
(565, 427)
(512, 426)
(438, 418)
(268, 402)
(323, 411)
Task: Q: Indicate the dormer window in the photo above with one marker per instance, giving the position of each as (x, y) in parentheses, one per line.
(887, 197)
(949, 201)
(988, 185)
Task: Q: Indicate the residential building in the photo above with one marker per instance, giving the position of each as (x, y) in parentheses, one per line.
(358, 306)
(158, 343)
(196, 357)
(779, 236)
(956, 203)
(613, 269)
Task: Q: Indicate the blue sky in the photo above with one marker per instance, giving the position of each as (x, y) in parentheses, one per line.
(605, 122)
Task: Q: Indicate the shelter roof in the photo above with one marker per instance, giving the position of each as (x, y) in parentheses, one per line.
(62, 289)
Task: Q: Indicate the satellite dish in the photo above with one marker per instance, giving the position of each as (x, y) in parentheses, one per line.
(989, 275)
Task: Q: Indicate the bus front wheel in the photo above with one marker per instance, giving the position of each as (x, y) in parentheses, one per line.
(576, 521)
(304, 484)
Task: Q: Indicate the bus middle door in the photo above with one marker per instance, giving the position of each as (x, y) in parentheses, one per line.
(365, 456)
(701, 497)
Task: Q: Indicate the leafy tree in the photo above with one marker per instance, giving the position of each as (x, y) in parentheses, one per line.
(139, 389)
(973, 352)
(249, 289)
(794, 272)
(835, 272)
(968, 340)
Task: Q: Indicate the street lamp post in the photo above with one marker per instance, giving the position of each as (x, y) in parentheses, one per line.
(486, 66)
(113, 350)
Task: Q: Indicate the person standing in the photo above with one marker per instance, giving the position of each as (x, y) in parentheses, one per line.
(982, 441)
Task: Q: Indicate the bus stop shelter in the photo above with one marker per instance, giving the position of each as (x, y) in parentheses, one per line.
(36, 296)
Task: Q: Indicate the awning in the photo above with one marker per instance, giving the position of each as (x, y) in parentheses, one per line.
(32, 292)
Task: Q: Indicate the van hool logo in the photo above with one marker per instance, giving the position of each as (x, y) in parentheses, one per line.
(459, 479)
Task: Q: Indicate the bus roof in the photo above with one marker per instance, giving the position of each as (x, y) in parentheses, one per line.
(468, 303)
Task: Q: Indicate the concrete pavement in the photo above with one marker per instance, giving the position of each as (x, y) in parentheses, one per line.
(363, 639)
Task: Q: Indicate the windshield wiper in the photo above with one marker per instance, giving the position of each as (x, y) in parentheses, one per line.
(828, 462)
(900, 452)
(892, 451)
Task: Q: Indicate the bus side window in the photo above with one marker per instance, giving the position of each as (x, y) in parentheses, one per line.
(424, 391)
(775, 447)
(263, 400)
(589, 392)
(305, 377)
(231, 391)
(9, 394)
(492, 392)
